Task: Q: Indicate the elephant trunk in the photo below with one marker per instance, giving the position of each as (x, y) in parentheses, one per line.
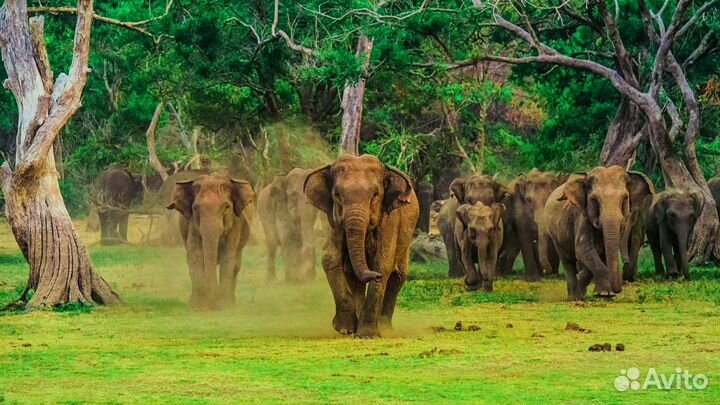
(625, 241)
(683, 235)
(210, 241)
(611, 236)
(356, 223)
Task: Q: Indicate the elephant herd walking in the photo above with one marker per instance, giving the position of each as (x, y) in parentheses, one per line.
(586, 221)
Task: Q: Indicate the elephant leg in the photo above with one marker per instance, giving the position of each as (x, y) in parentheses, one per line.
(104, 224)
(455, 267)
(471, 275)
(667, 251)
(229, 267)
(584, 277)
(508, 255)
(345, 320)
(528, 254)
(368, 325)
(488, 272)
(571, 279)
(657, 256)
(392, 290)
(199, 296)
(271, 274)
(547, 255)
(123, 226)
(630, 271)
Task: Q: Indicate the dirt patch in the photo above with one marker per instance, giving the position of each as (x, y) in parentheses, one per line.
(509, 325)
(537, 335)
(576, 327)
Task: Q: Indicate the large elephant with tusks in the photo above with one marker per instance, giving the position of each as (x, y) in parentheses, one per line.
(372, 210)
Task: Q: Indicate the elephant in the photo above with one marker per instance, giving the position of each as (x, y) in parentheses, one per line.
(528, 194)
(372, 211)
(670, 223)
(479, 235)
(634, 235)
(116, 189)
(586, 217)
(216, 213)
(714, 185)
(446, 224)
(289, 222)
(465, 190)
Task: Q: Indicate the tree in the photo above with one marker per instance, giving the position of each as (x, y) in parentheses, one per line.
(653, 101)
(60, 268)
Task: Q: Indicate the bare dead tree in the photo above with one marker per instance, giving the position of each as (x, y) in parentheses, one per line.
(150, 137)
(352, 102)
(60, 268)
(679, 171)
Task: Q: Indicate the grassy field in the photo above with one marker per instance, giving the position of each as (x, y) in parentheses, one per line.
(278, 345)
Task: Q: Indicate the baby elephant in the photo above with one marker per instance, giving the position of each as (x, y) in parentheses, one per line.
(671, 221)
(215, 225)
(479, 235)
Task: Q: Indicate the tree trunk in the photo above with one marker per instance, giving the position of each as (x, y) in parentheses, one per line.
(623, 136)
(61, 271)
(150, 136)
(60, 268)
(352, 102)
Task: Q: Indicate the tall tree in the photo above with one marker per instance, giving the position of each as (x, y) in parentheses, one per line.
(60, 268)
(662, 123)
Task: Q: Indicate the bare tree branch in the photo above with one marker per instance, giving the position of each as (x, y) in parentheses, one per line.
(150, 137)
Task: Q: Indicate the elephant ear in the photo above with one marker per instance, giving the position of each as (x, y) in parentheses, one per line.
(457, 187)
(641, 190)
(462, 214)
(182, 198)
(398, 189)
(575, 191)
(317, 189)
(242, 194)
(498, 210)
(659, 209)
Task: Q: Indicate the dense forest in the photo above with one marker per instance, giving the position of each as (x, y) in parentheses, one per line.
(237, 80)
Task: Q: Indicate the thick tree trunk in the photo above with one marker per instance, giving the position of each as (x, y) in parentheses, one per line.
(60, 268)
(352, 103)
(61, 271)
(623, 136)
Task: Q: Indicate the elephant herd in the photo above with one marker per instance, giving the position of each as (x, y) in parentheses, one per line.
(371, 211)
(589, 222)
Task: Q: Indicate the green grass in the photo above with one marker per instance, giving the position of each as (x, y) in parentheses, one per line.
(278, 346)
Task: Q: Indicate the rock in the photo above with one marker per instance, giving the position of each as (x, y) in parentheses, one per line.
(620, 347)
(595, 348)
(458, 326)
(425, 248)
(509, 326)
(607, 347)
(473, 328)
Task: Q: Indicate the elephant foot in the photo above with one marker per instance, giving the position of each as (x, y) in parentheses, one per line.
(368, 276)
(385, 323)
(472, 280)
(345, 323)
(367, 331)
(198, 303)
(487, 286)
(673, 275)
(533, 278)
(472, 287)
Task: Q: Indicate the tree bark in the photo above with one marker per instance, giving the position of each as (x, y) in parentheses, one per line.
(352, 102)
(61, 271)
(623, 136)
(150, 136)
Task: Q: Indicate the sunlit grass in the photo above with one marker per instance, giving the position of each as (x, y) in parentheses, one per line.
(278, 346)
